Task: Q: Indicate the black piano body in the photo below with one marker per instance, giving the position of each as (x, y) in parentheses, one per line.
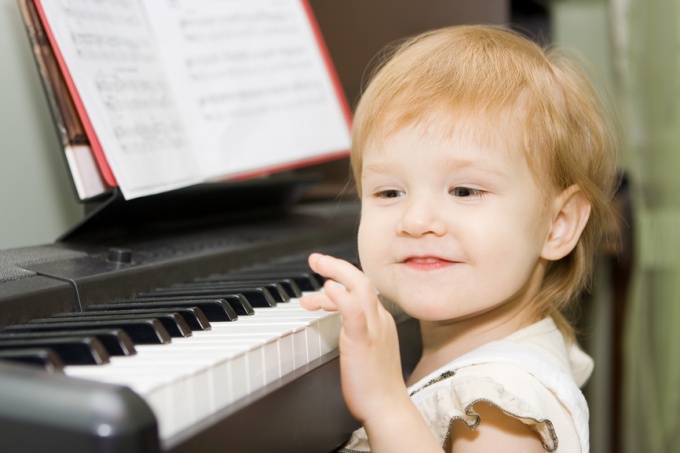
(125, 248)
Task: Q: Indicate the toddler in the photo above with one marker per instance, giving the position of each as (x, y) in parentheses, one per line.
(485, 166)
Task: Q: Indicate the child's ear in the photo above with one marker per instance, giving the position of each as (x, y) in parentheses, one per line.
(570, 213)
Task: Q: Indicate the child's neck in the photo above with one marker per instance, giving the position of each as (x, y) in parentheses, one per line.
(446, 341)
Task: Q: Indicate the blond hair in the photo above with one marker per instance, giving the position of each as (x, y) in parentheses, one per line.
(485, 73)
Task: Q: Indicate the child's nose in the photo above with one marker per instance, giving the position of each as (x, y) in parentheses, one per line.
(422, 217)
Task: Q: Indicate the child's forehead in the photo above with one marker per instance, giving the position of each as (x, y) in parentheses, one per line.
(493, 133)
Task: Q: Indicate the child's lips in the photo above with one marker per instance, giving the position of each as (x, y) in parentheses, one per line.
(427, 262)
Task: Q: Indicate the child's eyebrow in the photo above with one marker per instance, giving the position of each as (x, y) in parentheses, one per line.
(476, 165)
(375, 168)
(453, 164)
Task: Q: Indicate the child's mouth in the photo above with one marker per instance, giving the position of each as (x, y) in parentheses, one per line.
(427, 262)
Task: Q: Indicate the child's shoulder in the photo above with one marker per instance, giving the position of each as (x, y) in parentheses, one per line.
(539, 349)
(527, 375)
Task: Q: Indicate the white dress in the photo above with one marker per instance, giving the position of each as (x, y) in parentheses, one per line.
(532, 375)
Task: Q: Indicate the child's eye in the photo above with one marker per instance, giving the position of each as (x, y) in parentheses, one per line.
(389, 193)
(464, 192)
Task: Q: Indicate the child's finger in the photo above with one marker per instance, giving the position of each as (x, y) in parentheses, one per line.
(353, 310)
(333, 268)
(318, 301)
(340, 271)
(352, 293)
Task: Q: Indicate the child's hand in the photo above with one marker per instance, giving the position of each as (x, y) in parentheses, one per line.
(370, 363)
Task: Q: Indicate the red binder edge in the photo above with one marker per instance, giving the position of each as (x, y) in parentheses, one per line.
(100, 157)
(97, 150)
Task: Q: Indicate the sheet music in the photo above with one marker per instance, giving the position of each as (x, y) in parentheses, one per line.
(258, 91)
(122, 84)
(183, 91)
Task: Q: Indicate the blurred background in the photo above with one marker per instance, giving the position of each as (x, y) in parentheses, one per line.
(628, 323)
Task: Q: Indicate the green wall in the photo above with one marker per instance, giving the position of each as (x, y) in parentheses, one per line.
(37, 202)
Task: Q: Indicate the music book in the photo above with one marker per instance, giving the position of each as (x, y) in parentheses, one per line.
(86, 176)
(172, 93)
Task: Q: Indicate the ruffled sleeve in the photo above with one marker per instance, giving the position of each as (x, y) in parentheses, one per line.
(513, 377)
(519, 396)
(453, 395)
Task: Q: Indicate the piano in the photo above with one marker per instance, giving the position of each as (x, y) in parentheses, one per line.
(170, 323)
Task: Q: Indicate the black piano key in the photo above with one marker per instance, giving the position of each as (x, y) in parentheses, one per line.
(116, 341)
(141, 331)
(71, 350)
(306, 280)
(257, 297)
(238, 302)
(287, 285)
(193, 316)
(213, 309)
(44, 358)
(173, 323)
(279, 294)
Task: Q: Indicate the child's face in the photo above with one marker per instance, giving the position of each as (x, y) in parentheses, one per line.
(451, 228)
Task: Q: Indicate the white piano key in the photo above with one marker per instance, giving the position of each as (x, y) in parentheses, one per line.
(258, 349)
(170, 388)
(281, 361)
(190, 378)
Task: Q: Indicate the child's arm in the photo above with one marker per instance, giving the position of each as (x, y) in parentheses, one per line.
(372, 382)
(370, 363)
